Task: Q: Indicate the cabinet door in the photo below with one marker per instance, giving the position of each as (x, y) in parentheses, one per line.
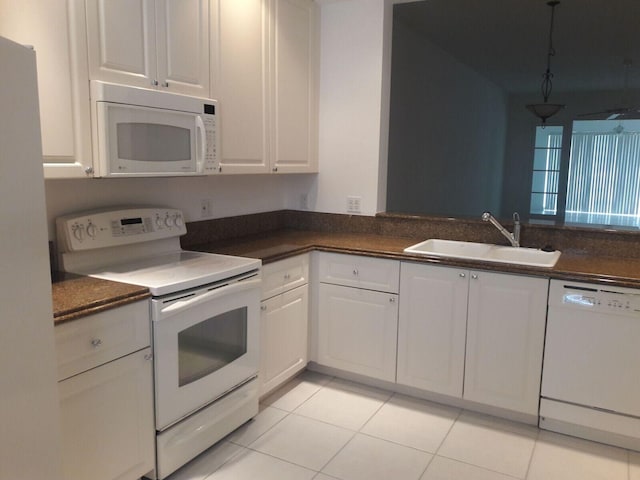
(122, 41)
(56, 29)
(182, 41)
(284, 337)
(505, 339)
(432, 328)
(357, 331)
(294, 105)
(107, 420)
(240, 84)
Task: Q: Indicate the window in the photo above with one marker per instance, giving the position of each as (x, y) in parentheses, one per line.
(603, 181)
(546, 171)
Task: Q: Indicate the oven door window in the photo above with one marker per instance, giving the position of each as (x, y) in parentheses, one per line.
(211, 344)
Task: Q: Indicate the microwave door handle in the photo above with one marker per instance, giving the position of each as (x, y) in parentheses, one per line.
(181, 305)
(202, 137)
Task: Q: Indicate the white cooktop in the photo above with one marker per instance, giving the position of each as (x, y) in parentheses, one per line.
(141, 246)
(175, 271)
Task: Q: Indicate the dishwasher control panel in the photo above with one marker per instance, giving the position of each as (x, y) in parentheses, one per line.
(594, 297)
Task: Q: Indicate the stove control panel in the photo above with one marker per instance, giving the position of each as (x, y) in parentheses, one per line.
(111, 228)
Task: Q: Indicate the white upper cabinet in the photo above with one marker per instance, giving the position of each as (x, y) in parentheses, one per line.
(240, 85)
(265, 80)
(258, 58)
(293, 89)
(56, 29)
(160, 44)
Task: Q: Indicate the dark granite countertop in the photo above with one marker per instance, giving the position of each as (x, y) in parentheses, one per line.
(276, 245)
(76, 296)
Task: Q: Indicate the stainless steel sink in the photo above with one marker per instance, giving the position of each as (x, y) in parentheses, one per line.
(485, 252)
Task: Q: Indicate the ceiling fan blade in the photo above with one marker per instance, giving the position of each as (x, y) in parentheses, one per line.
(609, 114)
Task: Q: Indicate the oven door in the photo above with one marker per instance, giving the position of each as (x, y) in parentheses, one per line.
(205, 344)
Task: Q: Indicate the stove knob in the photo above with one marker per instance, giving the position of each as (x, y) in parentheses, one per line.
(168, 221)
(178, 220)
(78, 232)
(159, 222)
(92, 230)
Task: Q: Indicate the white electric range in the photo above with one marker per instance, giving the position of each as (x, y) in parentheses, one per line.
(204, 317)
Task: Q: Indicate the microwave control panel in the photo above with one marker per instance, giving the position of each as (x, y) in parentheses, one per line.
(101, 229)
(210, 141)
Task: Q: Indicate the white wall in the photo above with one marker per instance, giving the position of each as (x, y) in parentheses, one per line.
(229, 195)
(351, 107)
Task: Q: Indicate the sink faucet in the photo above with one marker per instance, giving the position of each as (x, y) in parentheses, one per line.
(514, 237)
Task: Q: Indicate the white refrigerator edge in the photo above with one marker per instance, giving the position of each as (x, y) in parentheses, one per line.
(29, 408)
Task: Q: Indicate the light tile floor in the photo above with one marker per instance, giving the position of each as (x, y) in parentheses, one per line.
(323, 428)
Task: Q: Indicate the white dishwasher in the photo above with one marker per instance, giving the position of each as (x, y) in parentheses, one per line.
(591, 373)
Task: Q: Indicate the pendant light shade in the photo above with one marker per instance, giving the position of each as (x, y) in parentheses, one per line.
(545, 110)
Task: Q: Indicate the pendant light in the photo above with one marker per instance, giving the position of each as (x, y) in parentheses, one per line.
(545, 110)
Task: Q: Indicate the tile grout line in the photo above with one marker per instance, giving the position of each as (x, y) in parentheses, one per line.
(533, 451)
(356, 432)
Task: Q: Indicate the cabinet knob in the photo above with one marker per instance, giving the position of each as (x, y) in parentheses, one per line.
(355, 272)
(263, 308)
(287, 276)
(474, 276)
(165, 84)
(148, 356)
(392, 299)
(96, 342)
(274, 169)
(462, 275)
(154, 83)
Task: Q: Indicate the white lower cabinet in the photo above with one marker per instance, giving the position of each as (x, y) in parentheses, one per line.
(284, 321)
(357, 318)
(106, 394)
(472, 334)
(358, 331)
(284, 337)
(107, 420)
(505, 340)
(432, 328)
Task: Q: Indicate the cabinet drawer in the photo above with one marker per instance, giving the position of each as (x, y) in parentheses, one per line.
(100, 338)
(278, 277)
(360, 272)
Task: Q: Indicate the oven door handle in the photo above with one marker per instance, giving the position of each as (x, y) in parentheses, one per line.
(180, 305)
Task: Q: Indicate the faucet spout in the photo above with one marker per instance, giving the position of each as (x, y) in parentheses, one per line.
(514, 238)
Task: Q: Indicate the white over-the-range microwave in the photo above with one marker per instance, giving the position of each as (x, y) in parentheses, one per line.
(138, 132)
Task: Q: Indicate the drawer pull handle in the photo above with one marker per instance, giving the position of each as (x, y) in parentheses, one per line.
(96, 342)
(462, 275)
(355, 272)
